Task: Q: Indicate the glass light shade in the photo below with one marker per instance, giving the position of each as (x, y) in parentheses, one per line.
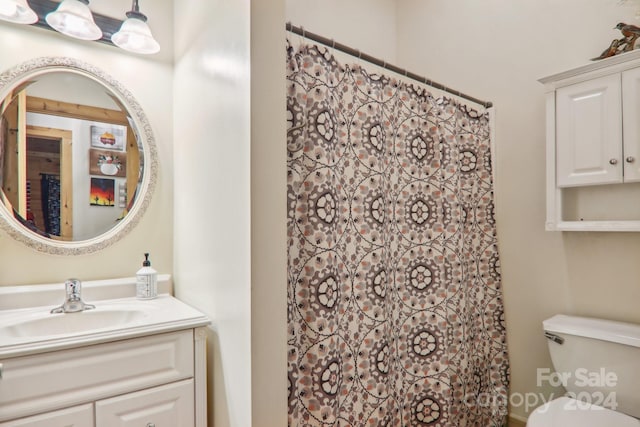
(73, 18)
(135, 36)
(17, 11)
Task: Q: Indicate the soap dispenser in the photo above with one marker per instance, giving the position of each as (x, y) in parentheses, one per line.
(146, 280)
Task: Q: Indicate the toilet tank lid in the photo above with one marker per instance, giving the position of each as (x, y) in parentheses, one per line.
(606, 330)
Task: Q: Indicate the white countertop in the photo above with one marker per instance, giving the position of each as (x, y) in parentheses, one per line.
(30, 330)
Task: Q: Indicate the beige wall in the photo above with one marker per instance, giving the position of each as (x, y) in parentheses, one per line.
(497, 49)
(147, 79)
(268, 214)
(367, 25)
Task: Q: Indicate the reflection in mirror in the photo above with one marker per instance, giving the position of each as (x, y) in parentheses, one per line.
(75, 172)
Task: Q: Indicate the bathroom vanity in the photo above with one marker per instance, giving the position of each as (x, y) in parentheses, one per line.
(115, 361)
(124, 362)
(127, 362)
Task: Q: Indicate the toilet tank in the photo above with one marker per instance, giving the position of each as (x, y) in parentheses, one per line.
(597, 361)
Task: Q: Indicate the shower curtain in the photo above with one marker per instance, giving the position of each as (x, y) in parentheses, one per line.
(395, 307)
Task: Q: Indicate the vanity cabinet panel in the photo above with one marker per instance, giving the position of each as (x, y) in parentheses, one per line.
(78, 416)
(170, 405)
(589, 132)
(57, 379)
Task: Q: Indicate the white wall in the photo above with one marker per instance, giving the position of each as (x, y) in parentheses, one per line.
(496, 50)
(149, 79)
(212, 194)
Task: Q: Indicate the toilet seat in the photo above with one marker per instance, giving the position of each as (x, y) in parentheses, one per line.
(567, 412)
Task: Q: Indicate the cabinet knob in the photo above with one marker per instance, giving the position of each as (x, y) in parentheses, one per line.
(630, 159)
(613, 161)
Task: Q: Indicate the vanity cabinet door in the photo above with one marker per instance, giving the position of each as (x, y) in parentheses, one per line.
(589, 132)
(170, 405)
(78, 416)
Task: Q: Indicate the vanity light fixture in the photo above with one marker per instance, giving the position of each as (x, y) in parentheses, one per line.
(17, 11)
(73, 18)
(135, 35)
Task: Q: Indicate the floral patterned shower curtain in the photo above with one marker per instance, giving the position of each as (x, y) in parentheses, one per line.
(394, 300)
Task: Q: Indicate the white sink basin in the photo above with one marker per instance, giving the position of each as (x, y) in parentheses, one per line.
(31, 330)
(71, 323)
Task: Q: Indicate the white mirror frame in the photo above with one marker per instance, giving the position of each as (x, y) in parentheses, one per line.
(8, 81)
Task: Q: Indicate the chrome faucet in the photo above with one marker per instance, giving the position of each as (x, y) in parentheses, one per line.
(73, 301)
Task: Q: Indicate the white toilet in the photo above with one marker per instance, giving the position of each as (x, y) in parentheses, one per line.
(598, 362)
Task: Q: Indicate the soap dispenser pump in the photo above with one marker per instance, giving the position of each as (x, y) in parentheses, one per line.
(146, 280)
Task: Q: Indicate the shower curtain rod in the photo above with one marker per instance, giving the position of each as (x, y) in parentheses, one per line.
(360, 55)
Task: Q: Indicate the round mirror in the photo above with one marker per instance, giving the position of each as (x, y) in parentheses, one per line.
(78, 159)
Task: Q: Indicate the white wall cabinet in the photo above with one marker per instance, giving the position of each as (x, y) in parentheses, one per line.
(593, 146)
(150, 381)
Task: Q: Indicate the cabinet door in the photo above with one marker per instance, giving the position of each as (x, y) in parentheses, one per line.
(78, 416)
(631, 120)
(170, 405)
(589, 132)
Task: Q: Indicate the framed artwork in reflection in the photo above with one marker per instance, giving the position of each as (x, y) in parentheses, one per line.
(102, 192)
